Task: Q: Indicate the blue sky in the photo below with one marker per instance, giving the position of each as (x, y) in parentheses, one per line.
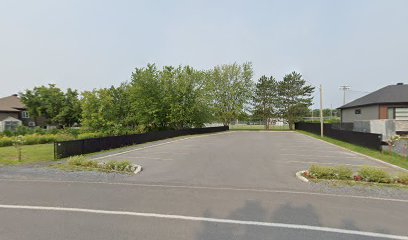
(91, 44)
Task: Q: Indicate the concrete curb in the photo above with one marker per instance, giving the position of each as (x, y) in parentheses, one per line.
(363, 155)
(138, 168)
(299, 175)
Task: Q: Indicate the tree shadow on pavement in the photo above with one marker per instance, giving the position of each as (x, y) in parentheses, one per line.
(287, 213)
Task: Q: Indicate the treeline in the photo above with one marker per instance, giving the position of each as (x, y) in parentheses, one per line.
(172, 98)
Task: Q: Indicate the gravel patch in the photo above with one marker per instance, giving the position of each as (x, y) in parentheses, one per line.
(359, 190)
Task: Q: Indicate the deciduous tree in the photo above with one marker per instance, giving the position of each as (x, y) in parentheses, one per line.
(230, 87)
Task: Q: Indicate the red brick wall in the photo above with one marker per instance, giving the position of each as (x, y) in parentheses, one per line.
(383, 112)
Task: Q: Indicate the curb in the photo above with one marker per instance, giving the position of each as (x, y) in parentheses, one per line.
(138, 168)
(300, 177)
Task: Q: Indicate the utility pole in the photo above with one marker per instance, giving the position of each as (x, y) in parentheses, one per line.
(321, 111)
(331, 111)
(344, 89)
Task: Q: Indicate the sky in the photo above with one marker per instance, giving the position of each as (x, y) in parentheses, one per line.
(87, 44)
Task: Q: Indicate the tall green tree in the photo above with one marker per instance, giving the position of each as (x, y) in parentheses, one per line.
(70, 112)
(171, 98)
(265, 99)
(47, 102)
(186, 97)
(295, 97)
(148, 98)
(107, 110)
(230, 87)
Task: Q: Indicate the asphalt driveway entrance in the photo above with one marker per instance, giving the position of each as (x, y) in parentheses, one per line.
(234, 185)
(237, 159)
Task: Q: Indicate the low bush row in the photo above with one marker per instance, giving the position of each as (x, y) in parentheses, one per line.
(23, 130)
(47, 138)
(111, 166)
(36, 139)
(366, 174)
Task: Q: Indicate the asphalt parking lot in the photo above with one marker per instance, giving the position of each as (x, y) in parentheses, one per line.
(233, 185)
(237, 159)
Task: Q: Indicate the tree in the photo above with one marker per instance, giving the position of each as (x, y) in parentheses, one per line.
(186, 97)
(52, 104)
(230, 88)
(265, 98)
(171, 98)
(295, 97)
(108, 110)
(147, 91)
(70, 112)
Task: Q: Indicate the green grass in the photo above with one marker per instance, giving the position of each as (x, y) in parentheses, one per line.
(386, 157)
(30, 154)
(257, 128)
(81, 163)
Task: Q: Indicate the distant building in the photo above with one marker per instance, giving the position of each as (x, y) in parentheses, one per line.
(13, 113)
(383, 111)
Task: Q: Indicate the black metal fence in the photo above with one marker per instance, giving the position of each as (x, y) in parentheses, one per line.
(368, 140)
(78, 147)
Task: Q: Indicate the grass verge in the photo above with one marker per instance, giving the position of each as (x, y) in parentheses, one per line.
(42, 153)
(386, 157)
(30, 154)
(342, 175)
(81, 163)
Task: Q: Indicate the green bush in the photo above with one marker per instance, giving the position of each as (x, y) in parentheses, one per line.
(372, 174)
(6, 141)
(344, 173)
(339, 172)
(402, 178)
(81, 161)
(121, 166)
(90, 135)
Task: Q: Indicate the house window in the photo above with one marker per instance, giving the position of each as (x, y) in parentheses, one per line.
(401, 113)
(357, 111)
(24, 114)
(390, 113)
(10, 125)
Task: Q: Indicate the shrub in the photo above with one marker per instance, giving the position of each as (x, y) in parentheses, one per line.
(81, 161)
(39, 139)
(339, 172)
(321, 172)
(6, 141)
(90, 135)
(372, 174)
(121, 166)
(7, 133)
(402, 178)
(343, 173)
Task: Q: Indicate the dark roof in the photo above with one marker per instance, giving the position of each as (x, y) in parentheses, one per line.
(389, 94)
(11, 104)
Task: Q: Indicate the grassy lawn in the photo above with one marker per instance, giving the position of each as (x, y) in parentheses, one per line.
(30, 154)
(396, 159)
(257, 128)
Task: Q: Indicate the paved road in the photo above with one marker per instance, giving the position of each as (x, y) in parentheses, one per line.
(237, 185)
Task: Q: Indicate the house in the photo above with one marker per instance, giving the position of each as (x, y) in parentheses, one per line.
(13, 113)
(384, 111)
